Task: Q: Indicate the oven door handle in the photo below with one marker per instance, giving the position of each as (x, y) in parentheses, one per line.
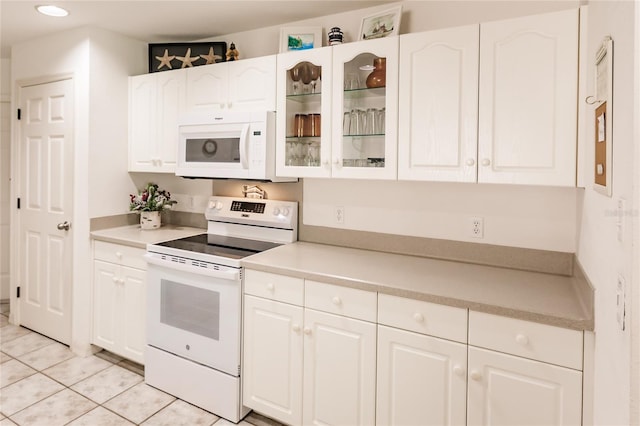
(225, 275)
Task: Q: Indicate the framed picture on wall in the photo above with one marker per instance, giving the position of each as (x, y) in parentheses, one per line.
(300, 38)
(381, 24)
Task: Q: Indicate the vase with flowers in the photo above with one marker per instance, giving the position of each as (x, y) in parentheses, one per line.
(150, 202)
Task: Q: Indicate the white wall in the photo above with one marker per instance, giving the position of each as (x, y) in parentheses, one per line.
(5, 156)
(603, 257)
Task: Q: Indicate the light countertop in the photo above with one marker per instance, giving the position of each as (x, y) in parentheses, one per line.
(134, 236)
(533, 296)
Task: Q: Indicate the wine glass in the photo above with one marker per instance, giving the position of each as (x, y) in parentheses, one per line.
(305, 75)
(295, 75)
(314, 73)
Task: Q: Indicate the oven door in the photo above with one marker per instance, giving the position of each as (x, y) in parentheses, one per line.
(195, 314)
(214, 150)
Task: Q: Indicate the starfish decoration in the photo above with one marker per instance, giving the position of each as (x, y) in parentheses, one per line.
(187, 59)
(165, 60)
(210, 58)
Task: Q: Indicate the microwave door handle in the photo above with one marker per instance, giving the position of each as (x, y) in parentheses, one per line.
(244, 146)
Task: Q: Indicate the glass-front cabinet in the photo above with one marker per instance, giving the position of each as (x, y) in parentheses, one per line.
(303, 146)
(337, 111)
(365, 105)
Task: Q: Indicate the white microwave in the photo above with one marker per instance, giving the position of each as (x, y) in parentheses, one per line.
(228, 144)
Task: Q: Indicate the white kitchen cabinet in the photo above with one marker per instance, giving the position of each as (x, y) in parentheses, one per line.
(119, 303)
(339, 370)
(246, 85)
(514, 122)
(363, 151)
(509, 390)
(156, 102)
(272, 361)
(438, 105)
(422, 363)
(421, 380)
(523, 373)
(528, 100)
(303, 149)
(303, 366)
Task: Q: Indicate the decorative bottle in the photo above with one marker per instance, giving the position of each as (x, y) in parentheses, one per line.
(378, 77)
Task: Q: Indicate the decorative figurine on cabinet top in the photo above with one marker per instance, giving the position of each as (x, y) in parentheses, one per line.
(232, 53)
(335, 36)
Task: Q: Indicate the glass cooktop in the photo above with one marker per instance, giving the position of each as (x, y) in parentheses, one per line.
(219, 245)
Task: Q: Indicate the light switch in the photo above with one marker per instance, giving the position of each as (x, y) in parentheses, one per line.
(620, 218)
(620, 302)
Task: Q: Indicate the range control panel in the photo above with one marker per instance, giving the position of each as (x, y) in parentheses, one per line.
(261, 212)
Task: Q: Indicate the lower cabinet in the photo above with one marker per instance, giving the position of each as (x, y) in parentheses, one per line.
(422, 380)
(317, 353)
(119, 294)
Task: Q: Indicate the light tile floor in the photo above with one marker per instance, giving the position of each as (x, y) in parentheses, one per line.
(42, 383)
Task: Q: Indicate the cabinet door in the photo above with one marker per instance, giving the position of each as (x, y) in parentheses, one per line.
(170, 104)
(106, 310)
(339, 370)
(508, 390)
(421, 379)
(303, 146)
(438, 105)
(131, 313)
(252, 84)
(272, 360)
(207, 87)
(142, 122)
(528, 100)
(362, 150)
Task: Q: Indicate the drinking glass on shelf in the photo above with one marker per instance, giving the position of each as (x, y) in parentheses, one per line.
(294, 73)
(346, 123)
(357, 125)
(351, 82)
(291, 153)
(380, 118)
(305, 76)
(314, 74)
(371, 121)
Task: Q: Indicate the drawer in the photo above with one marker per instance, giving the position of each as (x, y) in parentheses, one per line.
(335, 299)
(423, 317)
(541, 342)
(274, 286)
(119, 254)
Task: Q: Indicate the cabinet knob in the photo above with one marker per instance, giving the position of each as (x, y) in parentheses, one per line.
(418, 317)
(336, 300)
(336, 161)
(119, 255)
(521, 339)
(270, 286)
(475, 375)
(115, 279)
(326, 163)
(296, 328)
(458, 370)
(471, 162)
(307, 331)
(486, 162)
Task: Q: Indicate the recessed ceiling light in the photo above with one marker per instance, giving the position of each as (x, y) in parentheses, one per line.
(51, 10)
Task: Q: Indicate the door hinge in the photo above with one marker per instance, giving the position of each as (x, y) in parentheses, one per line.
(18, 203)
(19, 113)
(18, 292)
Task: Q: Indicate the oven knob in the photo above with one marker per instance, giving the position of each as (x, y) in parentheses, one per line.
(285, 211)
(219, 205)
(276, 211)
(187, 347)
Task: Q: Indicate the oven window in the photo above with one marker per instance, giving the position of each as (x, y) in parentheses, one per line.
(212, 150)
(190, 308)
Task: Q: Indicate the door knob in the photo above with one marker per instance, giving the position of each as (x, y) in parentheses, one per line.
(64, 226)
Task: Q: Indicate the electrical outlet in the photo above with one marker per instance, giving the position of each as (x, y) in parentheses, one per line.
(339, 214)
(620, 302)
(476, 227)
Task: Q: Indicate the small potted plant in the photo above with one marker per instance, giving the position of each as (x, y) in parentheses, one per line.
(149, 203)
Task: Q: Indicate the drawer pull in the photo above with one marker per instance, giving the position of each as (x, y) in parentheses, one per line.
(307, 331)
(475, 375)
(270, 286)
(418, 317)
(521, 339)
(115, 279)
(458, 370)
(296, 328)
(336, 301)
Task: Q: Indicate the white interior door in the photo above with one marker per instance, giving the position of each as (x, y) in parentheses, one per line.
(46, 204)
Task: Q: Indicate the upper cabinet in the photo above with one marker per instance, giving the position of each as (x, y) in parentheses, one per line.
(155, 103)
(337, 111)
(526, 97)
(438, 105)
(248, 84)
